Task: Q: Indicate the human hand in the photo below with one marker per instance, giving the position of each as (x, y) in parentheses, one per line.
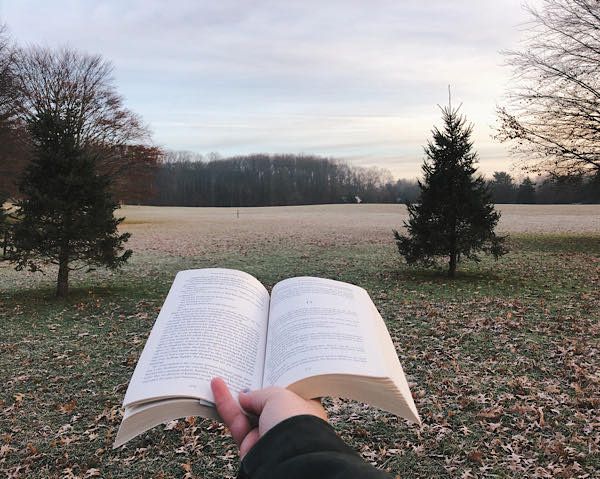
(271, 405)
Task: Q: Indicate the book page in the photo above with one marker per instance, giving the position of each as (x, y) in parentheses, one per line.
(213, 323)
(320, 326)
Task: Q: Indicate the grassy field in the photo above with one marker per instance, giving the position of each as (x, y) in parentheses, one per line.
(503, 361)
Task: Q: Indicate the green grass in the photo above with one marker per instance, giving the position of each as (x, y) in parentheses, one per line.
(503, 362)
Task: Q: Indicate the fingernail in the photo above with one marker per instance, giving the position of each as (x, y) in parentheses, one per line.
(245, 390)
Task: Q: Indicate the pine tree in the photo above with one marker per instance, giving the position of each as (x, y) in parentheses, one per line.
(526, 192)
(77, 131)
(67, 215)
(454, 216)
(502, 188)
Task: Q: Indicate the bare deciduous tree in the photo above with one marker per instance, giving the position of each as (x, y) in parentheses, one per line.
(78, 128)
(7, 90)
(552, 117)
(51, 80)
(12, 157)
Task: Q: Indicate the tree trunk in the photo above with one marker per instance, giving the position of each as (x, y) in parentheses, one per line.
(452, 265)
(453, 252)
(62, 284)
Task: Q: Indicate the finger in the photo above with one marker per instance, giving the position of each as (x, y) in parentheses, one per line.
(250, 440)
(254, 402)
(230, 411)
(319, 410)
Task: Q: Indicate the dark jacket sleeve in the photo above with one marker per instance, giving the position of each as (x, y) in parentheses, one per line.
(304, 447)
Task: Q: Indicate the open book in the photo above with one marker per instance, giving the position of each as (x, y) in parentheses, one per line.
(316, 337)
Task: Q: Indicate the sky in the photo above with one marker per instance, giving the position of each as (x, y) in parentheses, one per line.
(359, 80)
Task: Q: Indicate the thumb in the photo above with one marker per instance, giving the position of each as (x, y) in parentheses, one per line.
(254, 402)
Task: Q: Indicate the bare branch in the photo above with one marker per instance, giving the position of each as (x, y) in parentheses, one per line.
(552, 116)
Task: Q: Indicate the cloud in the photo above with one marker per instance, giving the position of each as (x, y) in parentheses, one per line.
(349, 78)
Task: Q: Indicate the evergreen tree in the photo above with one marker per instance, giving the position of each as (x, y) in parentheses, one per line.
(592, 190)
(502, 188)
(526, 192)
(454, 216)
(77, 131)
(67, 215)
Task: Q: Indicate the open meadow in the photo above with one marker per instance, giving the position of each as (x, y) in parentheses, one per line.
(503, 361)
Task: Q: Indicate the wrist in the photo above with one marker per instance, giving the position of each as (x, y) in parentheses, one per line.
(298, 434)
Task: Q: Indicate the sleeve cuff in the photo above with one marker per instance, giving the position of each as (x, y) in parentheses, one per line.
(298, 435)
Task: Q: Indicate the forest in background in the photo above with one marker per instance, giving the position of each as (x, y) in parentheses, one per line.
(150, 176)
(186, 179)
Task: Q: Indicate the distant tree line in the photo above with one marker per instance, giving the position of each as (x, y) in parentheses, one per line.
(188, 179)
(554, 189)
(185, 179)
(177, 178)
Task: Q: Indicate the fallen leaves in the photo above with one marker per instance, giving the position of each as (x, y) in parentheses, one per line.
(491, 413)
(505, 376)
(68, 407)
(475, 456)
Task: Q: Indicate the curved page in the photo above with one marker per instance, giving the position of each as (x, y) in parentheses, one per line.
(213, 323)
(320, 326)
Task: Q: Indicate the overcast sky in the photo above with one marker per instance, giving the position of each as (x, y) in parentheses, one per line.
(354, 79)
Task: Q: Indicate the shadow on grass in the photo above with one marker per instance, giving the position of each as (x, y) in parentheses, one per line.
(437, 275)
(31, 298)
(555, 243)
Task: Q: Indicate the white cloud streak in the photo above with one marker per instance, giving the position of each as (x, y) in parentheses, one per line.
(351, 79)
